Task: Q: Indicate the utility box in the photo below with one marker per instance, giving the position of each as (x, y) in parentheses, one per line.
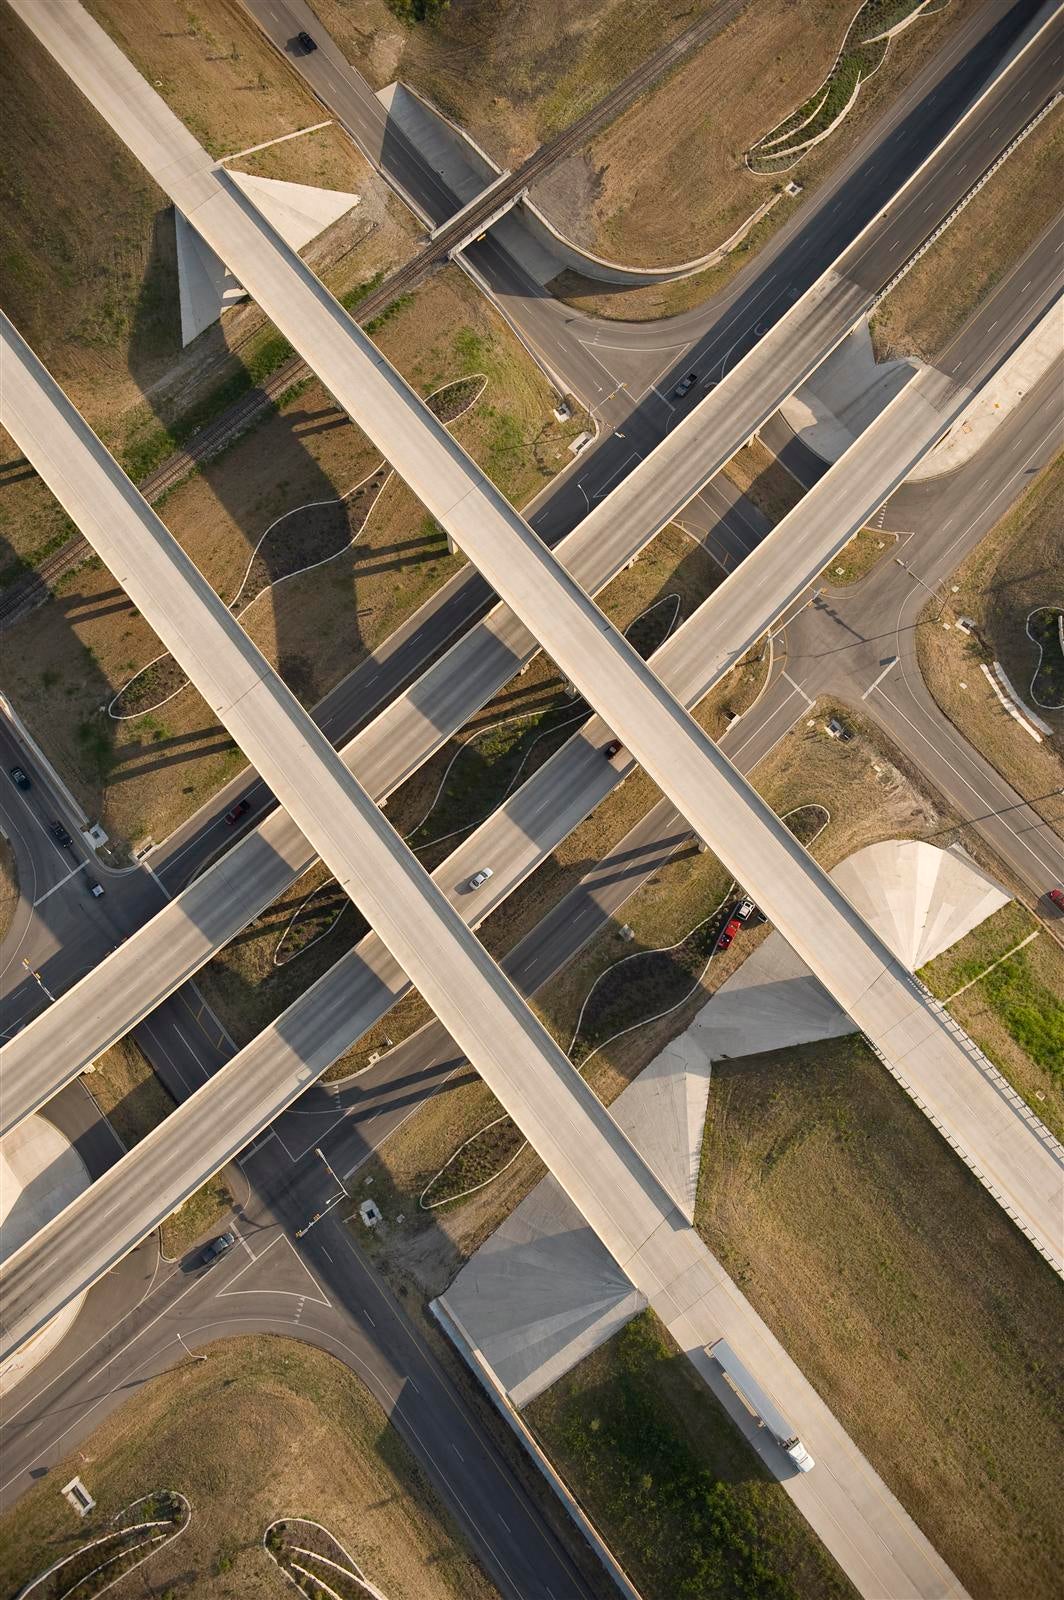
(78, 1496)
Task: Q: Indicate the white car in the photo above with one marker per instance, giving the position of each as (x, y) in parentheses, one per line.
(480, 877)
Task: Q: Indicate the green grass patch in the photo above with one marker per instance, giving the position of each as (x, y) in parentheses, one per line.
(1032, 1013)
(1020, 991)
(686, 1506)
(859, 58)
(191, 1222)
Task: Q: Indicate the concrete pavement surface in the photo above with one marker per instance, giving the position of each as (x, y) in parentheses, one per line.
(623, 1201)
(843, 205)
(682, 760)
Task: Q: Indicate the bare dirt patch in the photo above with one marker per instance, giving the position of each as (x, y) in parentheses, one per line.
(960, 270)
(765, 480)
(903, 1292)
(262, 1426)
(203, 1213)
(1017, 567)
(647, 210)
(512, 74)
(866, 550)
(88, 270)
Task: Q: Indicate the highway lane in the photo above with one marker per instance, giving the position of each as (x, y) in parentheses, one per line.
(322, 1291)
(896, 146)
(251, 873)
(102, 1002)
(622, 1199)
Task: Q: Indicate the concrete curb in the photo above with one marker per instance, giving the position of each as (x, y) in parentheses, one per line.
(497, 1395)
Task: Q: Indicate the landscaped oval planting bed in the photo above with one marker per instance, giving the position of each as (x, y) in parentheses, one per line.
(317, 916)
(316, 1561)
(483, 1157)
(303, 538)
(1047, 685)
(864, 48)
(137, 1533)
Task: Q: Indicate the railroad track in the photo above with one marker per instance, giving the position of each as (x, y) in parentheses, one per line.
(33, 588)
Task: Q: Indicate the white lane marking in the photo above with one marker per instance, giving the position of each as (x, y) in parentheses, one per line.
(891, 664)
(799, 689)
(66, 879)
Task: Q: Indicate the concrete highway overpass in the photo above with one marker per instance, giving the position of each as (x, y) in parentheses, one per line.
(671, 748)
(330, 1017)
(623, 1201)
(822, 927)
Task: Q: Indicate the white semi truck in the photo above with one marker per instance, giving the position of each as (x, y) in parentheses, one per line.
(758, 1403)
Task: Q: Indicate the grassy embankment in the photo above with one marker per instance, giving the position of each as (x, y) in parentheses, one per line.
(904, 1293)
(683, 1503)
(1014, 569)
(960, 270)
(1013, 1008)
(264, 1428)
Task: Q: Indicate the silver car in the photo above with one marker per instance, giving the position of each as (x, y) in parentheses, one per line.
(480, 877)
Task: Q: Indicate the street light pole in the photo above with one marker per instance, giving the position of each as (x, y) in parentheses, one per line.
(35, 974)
(318, 1151)
(190, 1353)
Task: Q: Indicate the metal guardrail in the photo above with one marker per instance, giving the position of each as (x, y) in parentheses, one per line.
(966, 199)
(1016, 1101)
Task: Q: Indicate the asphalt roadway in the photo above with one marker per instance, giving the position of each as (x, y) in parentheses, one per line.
(156, 1313)
(128, 1328)
(795, 256)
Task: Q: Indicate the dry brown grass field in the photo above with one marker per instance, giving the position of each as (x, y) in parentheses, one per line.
(264, 1428)
(904, 1293)
(959, 271)
(511, 73)
(1018, 566)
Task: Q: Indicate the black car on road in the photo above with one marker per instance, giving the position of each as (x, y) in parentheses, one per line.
(218, 1247)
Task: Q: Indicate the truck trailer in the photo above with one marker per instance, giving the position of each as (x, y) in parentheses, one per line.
(758, 1403)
